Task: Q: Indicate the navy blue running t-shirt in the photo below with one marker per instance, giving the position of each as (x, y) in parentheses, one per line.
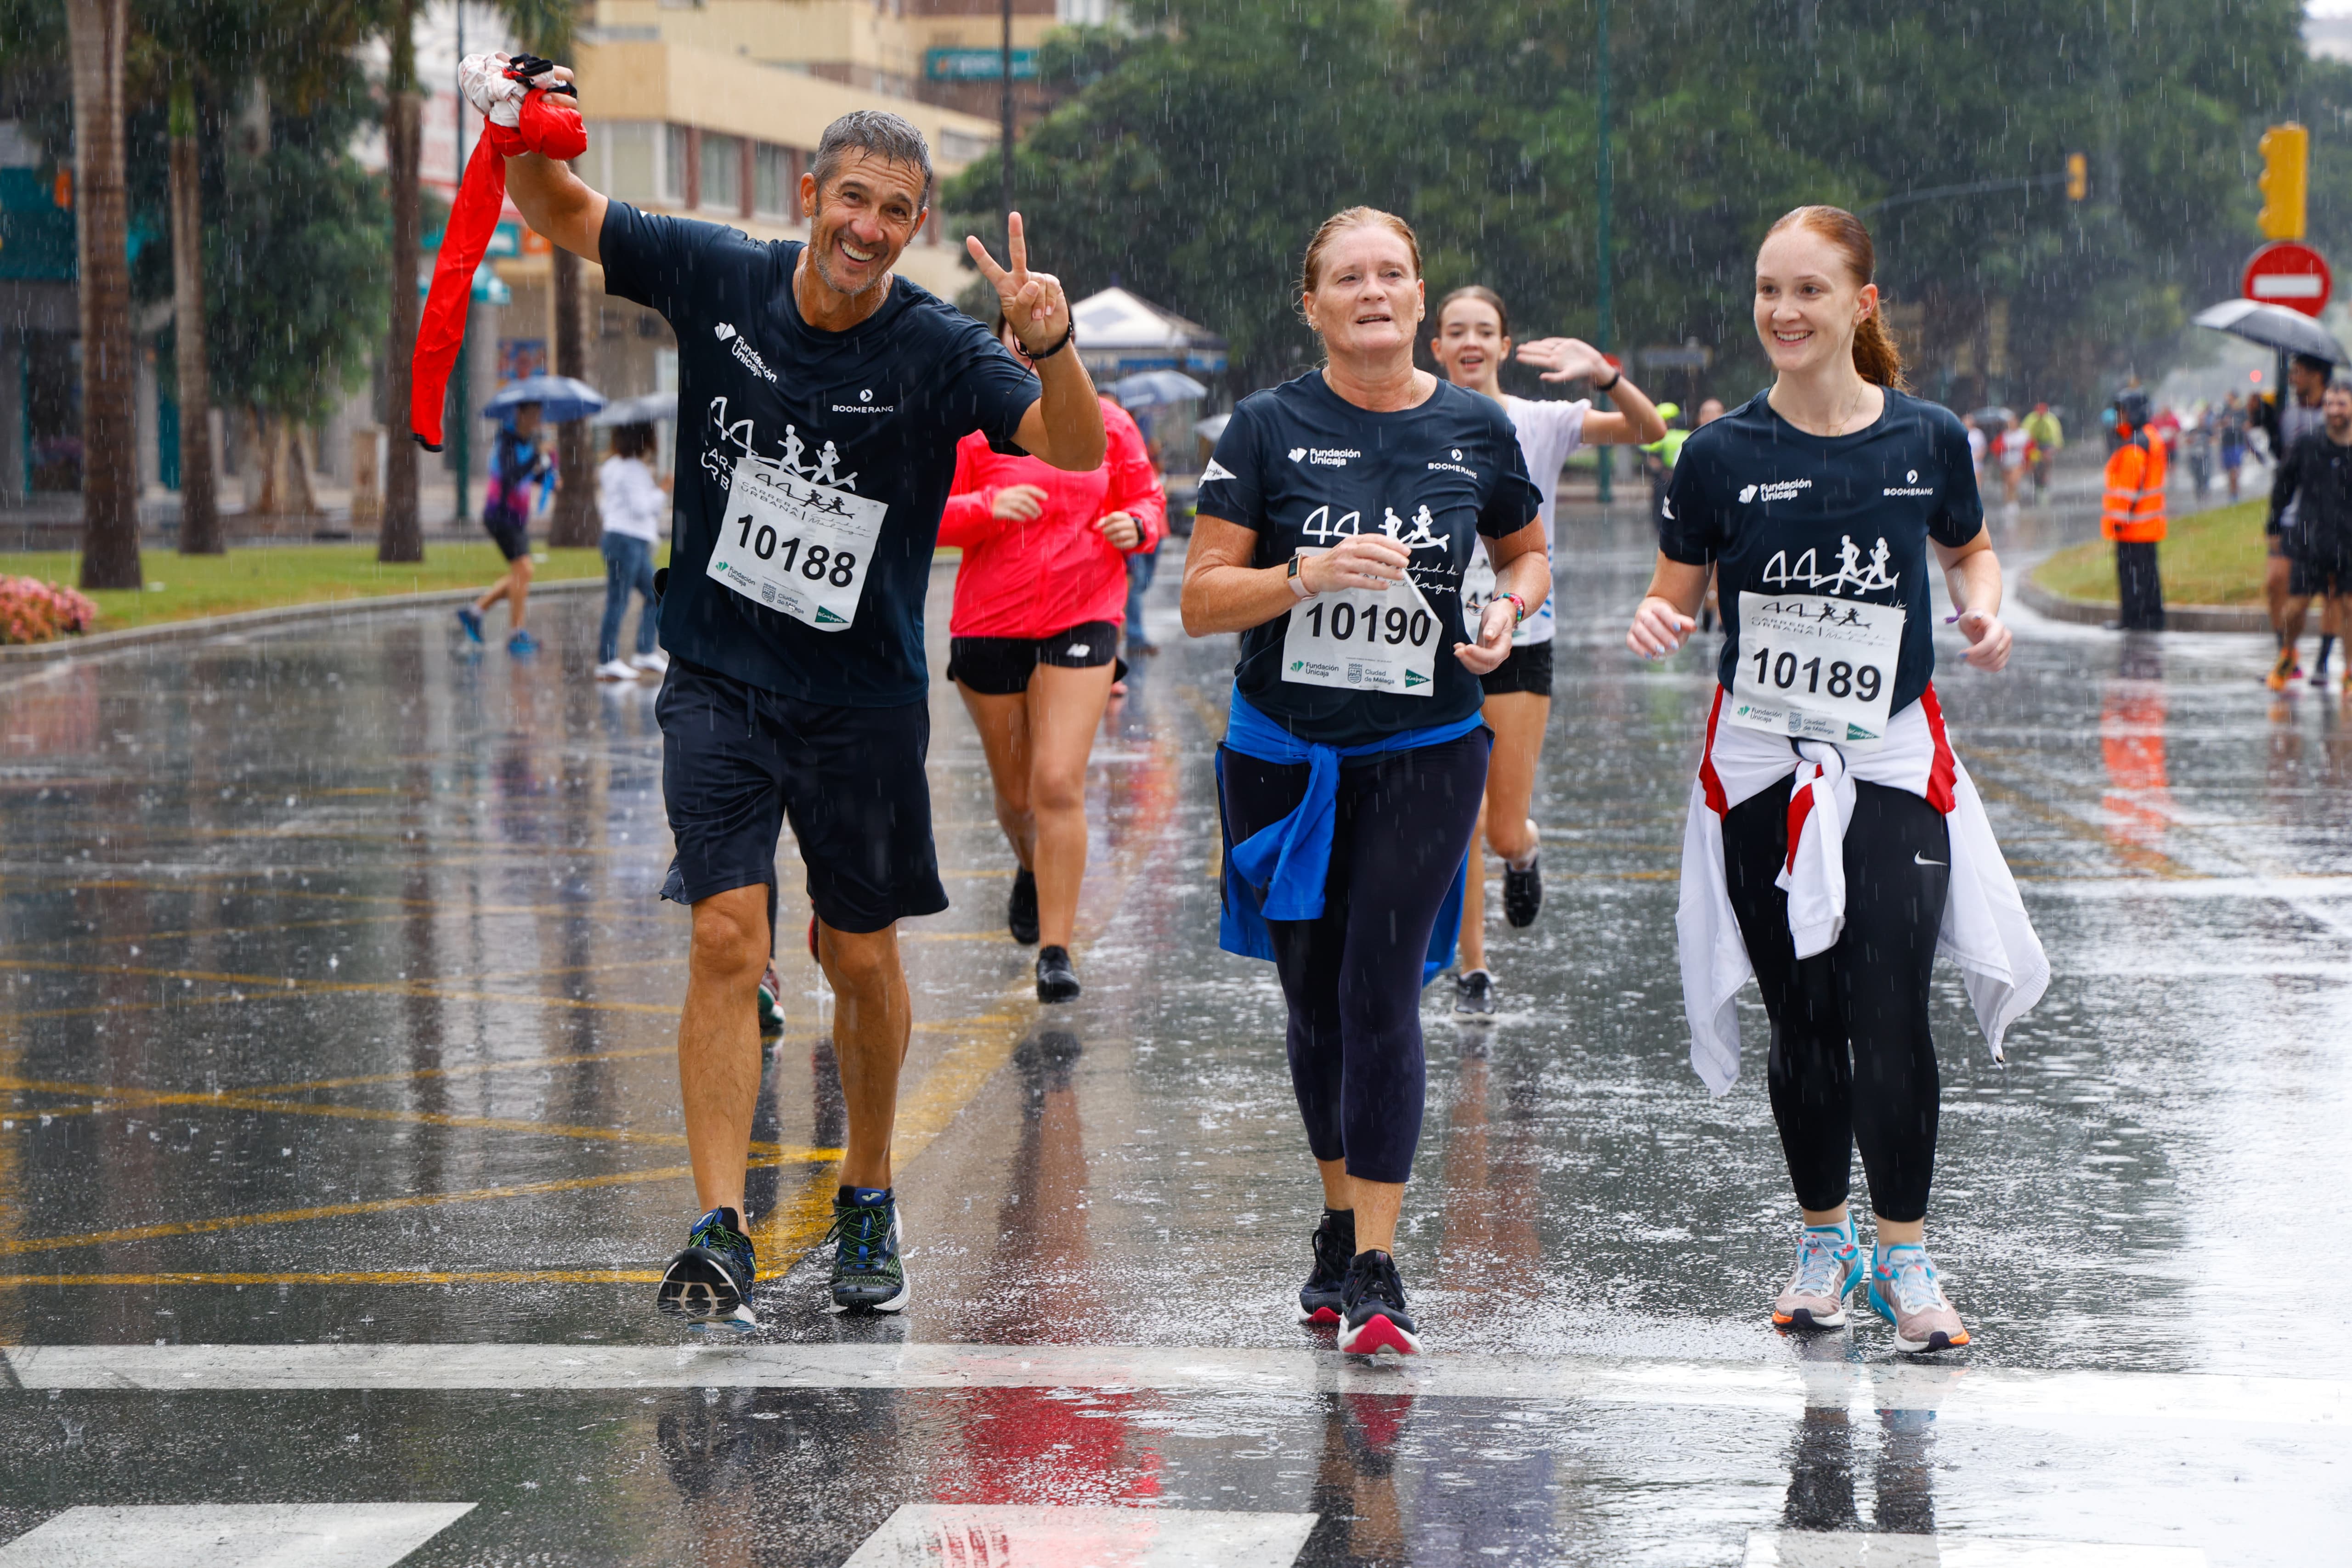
(1778, 512)
(841, 423)
(1303, 467)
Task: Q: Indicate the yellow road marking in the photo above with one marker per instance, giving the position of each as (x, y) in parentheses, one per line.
(501, 1277)
(384, 1205)
(266, 985)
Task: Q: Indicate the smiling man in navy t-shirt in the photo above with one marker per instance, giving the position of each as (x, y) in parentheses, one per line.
(820, 402)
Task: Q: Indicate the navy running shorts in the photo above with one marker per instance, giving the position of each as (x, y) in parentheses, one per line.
(1000, 667)
(737, 763)
(1529, 668)
(511, 536)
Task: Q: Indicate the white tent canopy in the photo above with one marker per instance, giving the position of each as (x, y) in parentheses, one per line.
(1120, 334)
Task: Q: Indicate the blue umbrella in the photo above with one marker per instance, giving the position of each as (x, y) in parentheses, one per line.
(1154, 387)
(560, 398)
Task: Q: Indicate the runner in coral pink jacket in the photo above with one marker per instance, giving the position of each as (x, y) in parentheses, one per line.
(1034, 644)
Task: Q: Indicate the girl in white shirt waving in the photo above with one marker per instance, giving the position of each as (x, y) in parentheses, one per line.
(1473, 338)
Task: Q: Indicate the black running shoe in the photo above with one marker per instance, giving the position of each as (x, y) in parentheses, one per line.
(1057, 978)
(1372, 1316)
(867, 1274)
(710, 1281)
(1523, 892)
(1473, 992)
(1334, 1248)
(1020, 910)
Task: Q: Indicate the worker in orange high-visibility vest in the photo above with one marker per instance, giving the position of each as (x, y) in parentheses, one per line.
(2132, 514)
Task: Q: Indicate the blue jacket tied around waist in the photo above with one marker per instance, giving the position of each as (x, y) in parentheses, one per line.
(1277, 873)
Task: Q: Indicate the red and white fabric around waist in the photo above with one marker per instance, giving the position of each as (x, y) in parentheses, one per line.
(1985, 928)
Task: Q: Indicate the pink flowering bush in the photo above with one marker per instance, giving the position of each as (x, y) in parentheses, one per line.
(33, 611)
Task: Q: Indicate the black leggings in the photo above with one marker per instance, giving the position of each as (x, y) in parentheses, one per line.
(1353, 977)
(1851, 1060)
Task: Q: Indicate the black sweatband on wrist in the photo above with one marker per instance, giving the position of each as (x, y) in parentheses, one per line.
(1068, 333)
(1613, 382)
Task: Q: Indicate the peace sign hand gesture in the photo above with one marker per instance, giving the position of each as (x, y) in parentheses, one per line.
(1033, 303)
(1565, 359)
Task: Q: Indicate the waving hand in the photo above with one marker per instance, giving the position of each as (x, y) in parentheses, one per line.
(1033, 303)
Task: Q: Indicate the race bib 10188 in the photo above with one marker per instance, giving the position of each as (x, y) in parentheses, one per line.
(1815, 667)
(795, 546)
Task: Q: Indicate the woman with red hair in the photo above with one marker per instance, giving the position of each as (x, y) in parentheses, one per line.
(1834, 843)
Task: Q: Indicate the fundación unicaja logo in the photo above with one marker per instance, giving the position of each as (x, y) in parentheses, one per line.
(724, 331)
(1298, 454)
(1747, 494)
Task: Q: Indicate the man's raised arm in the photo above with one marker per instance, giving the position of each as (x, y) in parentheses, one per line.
(1065, 427)
(553, 199)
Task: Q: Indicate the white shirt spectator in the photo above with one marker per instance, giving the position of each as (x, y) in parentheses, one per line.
(629, 500)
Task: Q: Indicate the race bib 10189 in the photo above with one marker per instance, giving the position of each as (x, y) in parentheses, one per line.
(1815, 667)
(795, 546)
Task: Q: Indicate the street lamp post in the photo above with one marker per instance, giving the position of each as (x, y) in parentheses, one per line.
(1605, 328)
(1004, 105)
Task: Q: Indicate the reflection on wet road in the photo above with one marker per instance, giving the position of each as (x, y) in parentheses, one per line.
(336, 1012)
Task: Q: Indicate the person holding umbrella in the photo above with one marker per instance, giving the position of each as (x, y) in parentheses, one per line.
(517, 463)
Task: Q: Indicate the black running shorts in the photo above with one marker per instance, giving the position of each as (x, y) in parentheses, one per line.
(1000, 667)
(512, 538)
(2307, 578)
(737, 763)
(1529, 668)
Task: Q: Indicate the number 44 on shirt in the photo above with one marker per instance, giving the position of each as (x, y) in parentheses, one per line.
(794, 546)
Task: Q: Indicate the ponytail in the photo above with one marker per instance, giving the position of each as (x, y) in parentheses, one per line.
(1876, 357)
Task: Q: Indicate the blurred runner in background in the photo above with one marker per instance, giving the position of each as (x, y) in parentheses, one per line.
(1473, 338)
(1034, 648)
(517, 464)
(2049, 438)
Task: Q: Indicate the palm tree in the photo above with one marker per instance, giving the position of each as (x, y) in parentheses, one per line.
(403, 535)
(98, 32)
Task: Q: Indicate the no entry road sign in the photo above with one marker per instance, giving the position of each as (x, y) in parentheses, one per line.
(2289, 273)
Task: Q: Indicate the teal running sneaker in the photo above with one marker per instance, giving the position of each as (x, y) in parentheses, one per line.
(1905, 1290)
(1829, 1264)
(867, 1274)
(771, 1011)
(710, 1280)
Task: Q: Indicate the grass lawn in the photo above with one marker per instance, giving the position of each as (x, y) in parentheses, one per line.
(181, 587)
(2212, 557)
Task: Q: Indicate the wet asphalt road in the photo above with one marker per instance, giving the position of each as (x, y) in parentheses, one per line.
(336, 1010)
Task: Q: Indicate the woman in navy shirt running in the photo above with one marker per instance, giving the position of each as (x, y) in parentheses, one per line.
(1336, 520)
(1834, 842)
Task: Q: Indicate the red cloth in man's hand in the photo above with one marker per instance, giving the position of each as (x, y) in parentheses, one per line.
(551, 125)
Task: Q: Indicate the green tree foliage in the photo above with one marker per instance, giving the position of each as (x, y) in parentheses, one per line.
(1192, 162)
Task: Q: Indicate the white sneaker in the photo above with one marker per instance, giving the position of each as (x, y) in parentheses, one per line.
(656, 661)
(615, 670)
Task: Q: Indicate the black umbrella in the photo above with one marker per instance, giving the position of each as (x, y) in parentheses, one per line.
(2274, 327)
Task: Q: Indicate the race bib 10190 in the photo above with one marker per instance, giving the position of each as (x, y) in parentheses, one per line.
(1815, 667)
(795, 546)
(1364, 640)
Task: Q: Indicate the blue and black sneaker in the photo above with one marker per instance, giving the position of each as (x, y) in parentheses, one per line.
(867, 1274)
(710, 1281)
(470, 620)
(522, 643)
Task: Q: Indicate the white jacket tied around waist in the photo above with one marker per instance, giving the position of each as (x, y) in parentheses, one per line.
(1985, 930)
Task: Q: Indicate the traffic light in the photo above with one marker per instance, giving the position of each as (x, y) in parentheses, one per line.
(2286, 157)
(2078, 176)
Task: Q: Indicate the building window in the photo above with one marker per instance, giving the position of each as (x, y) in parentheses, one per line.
(775, 185)
(958, 146)
(626, 151)
(722, 173)
(677, 164)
